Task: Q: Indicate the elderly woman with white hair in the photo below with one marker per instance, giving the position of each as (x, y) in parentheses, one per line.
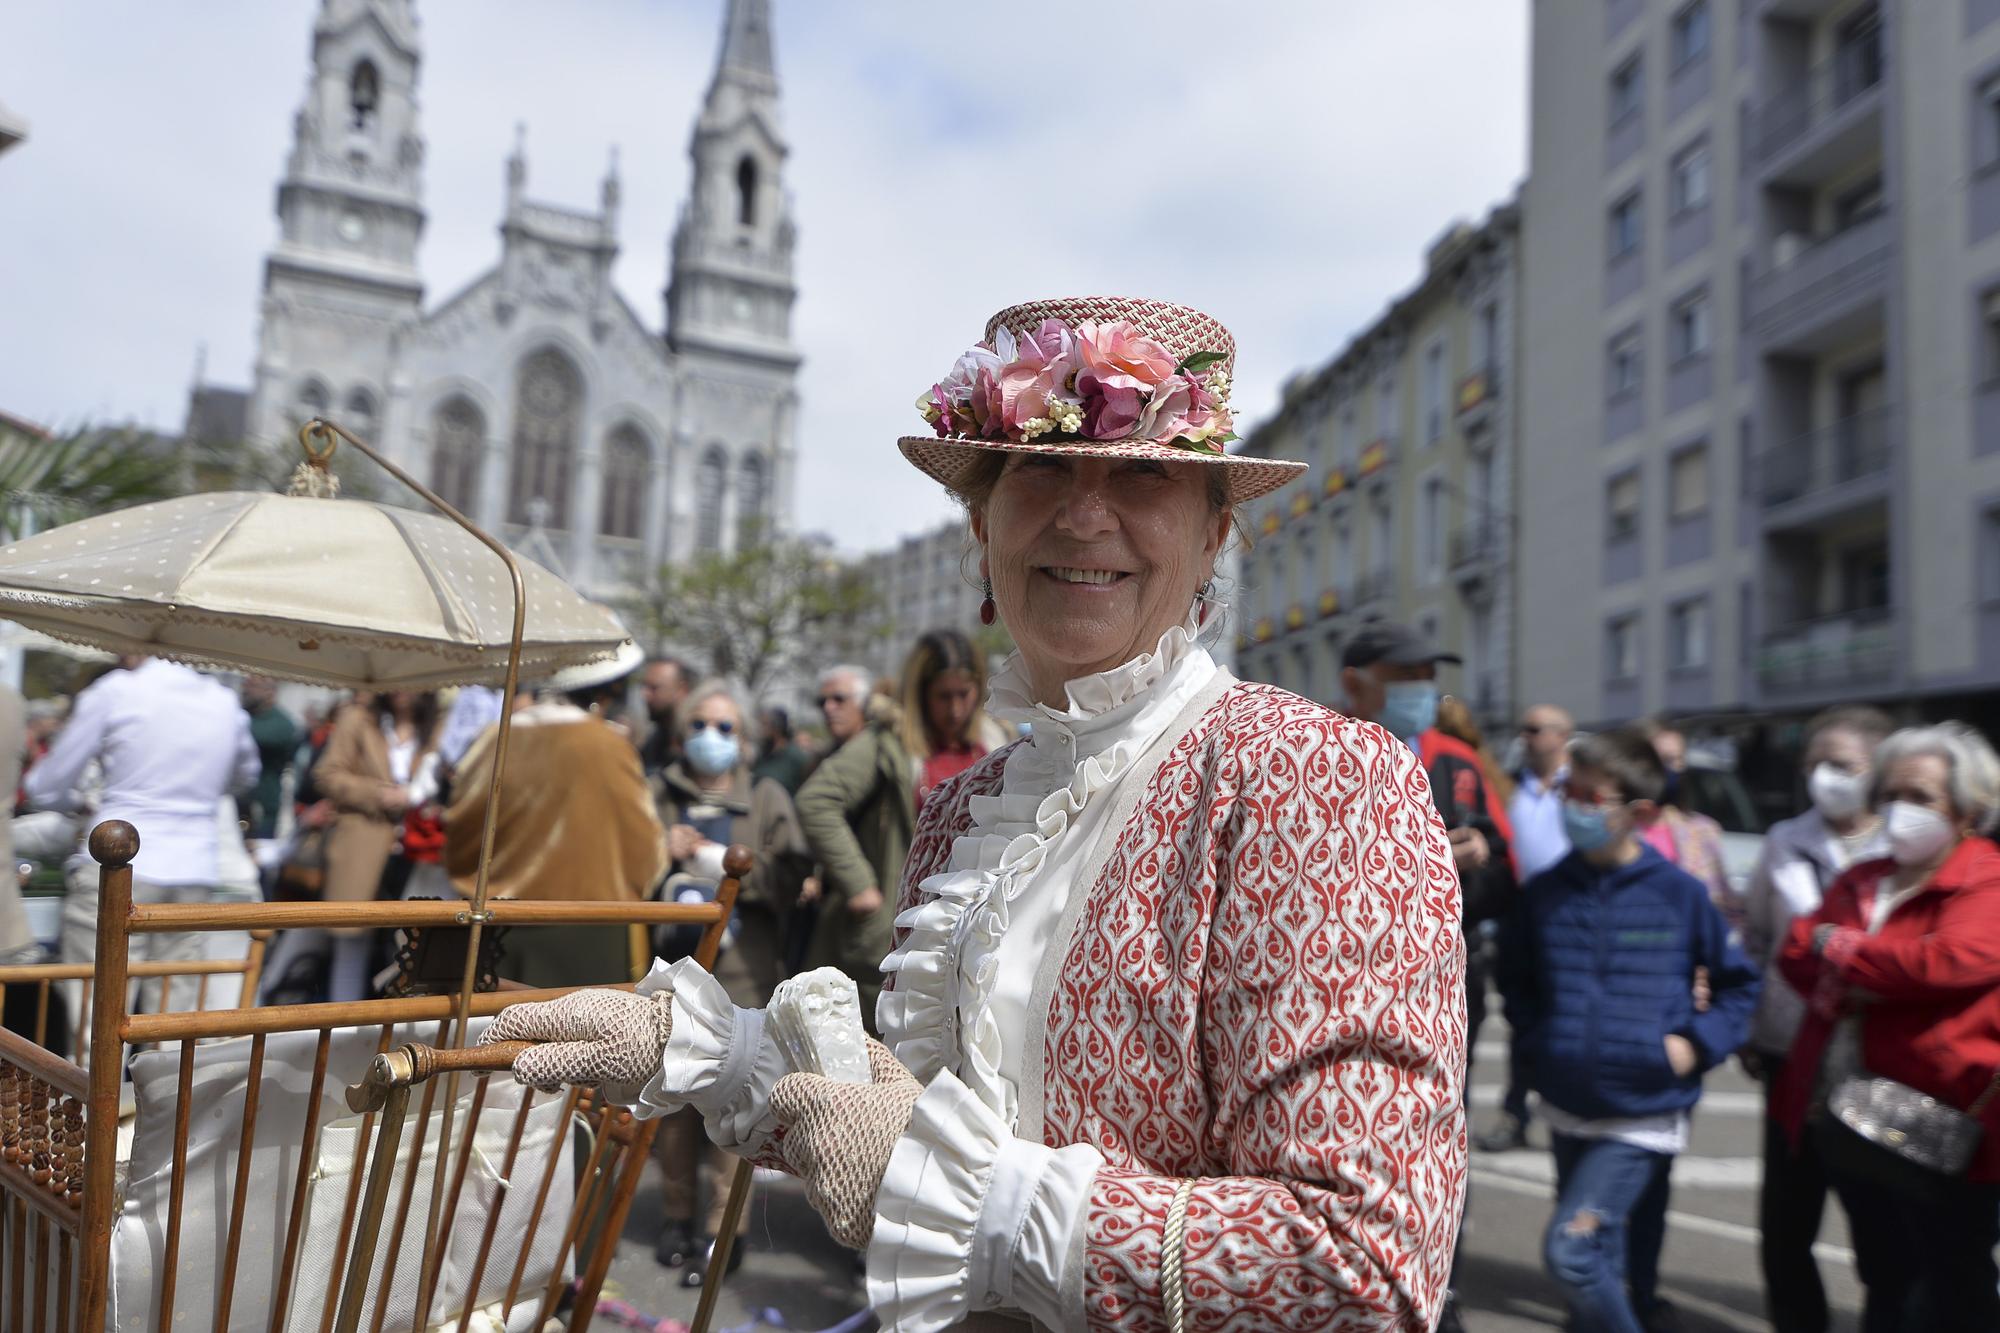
(1175, 1029)
(708, 800)
(1901, 970)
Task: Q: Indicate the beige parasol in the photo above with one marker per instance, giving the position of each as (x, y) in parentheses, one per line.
(347, 593)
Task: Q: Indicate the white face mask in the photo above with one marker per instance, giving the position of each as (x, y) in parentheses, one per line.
(1917, 836)
(1838, 795)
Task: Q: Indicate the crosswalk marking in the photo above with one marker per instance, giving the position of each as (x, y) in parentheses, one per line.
(1706, 1226)
(1712, 1103)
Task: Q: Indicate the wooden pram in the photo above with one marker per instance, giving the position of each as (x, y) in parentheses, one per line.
(59, 1130)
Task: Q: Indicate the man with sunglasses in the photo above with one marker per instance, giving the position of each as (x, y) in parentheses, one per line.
(1539, 842)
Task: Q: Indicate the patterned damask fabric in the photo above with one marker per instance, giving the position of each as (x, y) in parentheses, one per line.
(1265, 991)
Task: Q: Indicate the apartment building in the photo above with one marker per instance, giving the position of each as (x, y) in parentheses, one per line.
(1407, 514)
(1760, 466)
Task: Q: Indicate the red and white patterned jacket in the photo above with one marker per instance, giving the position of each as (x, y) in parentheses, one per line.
(1264, 990)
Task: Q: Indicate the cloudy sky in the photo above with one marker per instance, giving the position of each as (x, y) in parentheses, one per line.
(1280, 163)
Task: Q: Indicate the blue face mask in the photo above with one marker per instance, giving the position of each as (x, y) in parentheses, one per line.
(711, 753)
(1409, 708)
(1588, 827)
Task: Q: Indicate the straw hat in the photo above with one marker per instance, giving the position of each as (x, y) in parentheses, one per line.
(1107, 376)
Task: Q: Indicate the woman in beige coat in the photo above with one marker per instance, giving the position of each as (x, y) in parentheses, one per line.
(376, 748)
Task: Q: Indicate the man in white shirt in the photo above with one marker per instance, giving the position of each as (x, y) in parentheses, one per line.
(170, 743)
(1539, 842)
(1536, 810)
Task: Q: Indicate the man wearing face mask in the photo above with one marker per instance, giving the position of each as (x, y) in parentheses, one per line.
(1390, 675)
(1802, 856)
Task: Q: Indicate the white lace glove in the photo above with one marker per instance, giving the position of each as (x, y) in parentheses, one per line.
(839, 1138)
(597, 1038)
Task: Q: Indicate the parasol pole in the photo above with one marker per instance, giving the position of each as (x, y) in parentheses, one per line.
(317, 438)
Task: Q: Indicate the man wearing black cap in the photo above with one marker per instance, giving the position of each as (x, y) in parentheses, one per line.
(1390, 675)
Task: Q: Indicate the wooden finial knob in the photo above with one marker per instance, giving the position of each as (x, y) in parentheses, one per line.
(736, 862)
(114, 843)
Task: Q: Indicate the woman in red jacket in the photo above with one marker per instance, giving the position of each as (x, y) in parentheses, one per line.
(1901, 969)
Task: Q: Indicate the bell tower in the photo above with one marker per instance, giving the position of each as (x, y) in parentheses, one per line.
(730, 287)
(342, 279)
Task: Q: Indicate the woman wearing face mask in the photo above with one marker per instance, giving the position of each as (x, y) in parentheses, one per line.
(1801, 857)
(1900, 967)
(708, 800)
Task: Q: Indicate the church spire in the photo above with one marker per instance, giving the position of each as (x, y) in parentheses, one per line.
(730, 281)
(746, 45)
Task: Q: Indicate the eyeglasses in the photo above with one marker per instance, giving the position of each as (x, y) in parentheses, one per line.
(702, 724)
(829, 700)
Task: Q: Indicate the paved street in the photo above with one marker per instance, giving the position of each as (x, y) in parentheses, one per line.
(1709, 1269)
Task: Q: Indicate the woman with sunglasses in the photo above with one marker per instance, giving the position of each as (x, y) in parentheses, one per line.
(709, 800)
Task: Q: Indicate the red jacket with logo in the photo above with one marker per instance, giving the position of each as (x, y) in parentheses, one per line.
(1926, 987)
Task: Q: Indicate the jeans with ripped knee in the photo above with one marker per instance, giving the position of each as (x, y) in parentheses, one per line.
(1600, 1183)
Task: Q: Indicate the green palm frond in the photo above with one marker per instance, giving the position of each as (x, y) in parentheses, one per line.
(46, 481)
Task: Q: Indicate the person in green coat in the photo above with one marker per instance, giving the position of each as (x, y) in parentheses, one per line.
(858, 810)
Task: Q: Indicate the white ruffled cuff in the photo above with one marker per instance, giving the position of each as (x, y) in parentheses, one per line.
(971, 1218)
(717, 1060)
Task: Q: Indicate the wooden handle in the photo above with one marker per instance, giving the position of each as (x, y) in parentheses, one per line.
(489, 1058)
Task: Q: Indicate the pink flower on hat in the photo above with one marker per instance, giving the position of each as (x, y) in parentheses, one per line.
(1042, 378)
(1121, 356)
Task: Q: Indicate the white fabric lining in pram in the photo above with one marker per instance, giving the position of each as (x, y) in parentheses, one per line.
(214, 1129)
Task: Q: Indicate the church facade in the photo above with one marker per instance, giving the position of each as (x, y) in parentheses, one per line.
(537, 399)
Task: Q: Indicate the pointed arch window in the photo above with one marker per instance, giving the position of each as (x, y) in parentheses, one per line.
(359, 409)
(364, 93)
(548, 400)
(313, 400)
(458, 447)
(746, 191)
(750, 501)
(623, 512)
(711, 484)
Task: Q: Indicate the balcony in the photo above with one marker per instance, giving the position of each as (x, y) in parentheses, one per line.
(1376, 467)
(1833, 467)
(1831, 655)
(1337, 489)
(1822, 295)
(1475, 560)
(1375, 591)
(1827, 120)
(1478, 399)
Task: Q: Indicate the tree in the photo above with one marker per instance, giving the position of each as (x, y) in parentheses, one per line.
(51, 479)
(766, 612)
(46, 480)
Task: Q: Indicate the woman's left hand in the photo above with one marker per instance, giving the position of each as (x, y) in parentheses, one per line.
(838, 1137)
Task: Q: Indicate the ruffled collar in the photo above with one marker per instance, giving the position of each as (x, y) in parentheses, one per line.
(1102, 708)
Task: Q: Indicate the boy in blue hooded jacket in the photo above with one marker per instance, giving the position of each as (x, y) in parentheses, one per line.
(1601, 959)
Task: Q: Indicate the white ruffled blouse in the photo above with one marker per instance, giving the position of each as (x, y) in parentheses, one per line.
(969, 1217)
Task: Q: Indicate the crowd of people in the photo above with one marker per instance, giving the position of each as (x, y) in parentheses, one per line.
(1176, 997)
(1861, 959)
(386, 795)
(1865, 944)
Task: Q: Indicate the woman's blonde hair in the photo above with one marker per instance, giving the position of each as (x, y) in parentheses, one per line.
(937, 653)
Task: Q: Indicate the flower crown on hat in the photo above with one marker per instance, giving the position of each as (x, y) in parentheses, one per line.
(1096, 380)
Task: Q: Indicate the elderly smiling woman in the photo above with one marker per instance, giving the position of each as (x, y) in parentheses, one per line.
(1174, 1023)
